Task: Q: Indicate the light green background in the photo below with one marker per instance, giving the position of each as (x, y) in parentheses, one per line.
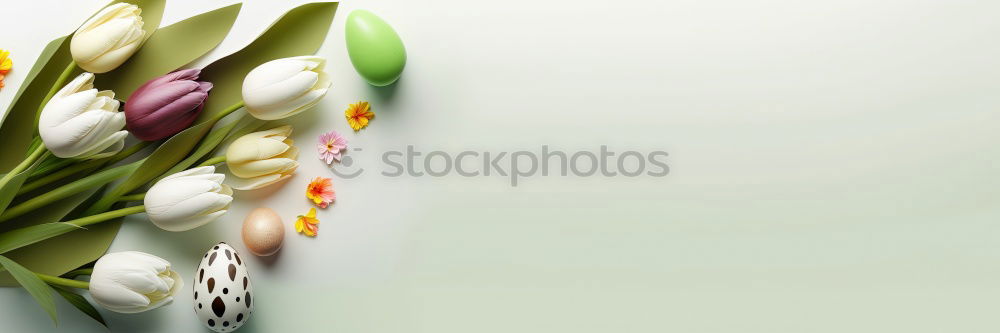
(833, 169)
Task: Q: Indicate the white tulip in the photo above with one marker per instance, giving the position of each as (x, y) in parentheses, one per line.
(262, 158)
(108, 39)
(131, 282)
(81, 122)
(188, 199)
(281, 88)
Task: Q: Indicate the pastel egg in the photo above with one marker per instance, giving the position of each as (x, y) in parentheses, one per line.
(375, 49)
(223, 294)
(263, 231)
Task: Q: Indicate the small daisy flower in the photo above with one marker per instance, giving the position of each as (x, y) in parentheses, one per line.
(330, 146)
(358, 115)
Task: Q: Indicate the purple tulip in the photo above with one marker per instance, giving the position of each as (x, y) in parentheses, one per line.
(166, 105)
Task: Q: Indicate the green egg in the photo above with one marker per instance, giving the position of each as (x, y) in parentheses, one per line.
(375, 49)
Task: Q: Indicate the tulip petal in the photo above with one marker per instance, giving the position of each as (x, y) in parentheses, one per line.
(247, 149)
(63, 108)
(88, 45)
(114, 144)
(130, 282)
(74, 138)
(116, 297)
(106, 40)
(198, 205)
(84, 81)
(244, 184)
(193, 222)
(291, 153)
(284, 87)
(145, 103)
(291, 107)
(274, 72)
(281, 92)
(214, 177)
(263, 167)
(112, 59)
(166, 110)
(187, 199)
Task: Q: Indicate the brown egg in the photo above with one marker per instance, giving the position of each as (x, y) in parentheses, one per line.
(263, 232)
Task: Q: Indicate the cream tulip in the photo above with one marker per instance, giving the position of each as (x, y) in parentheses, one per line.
(81, 122)
(188, 199)
(108, 39)
(131, 282)
(284, 87)
(262, 158)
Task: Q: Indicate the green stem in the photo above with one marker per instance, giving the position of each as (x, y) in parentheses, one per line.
(134, 197)
(35, 142)
(82, 166)
(94, 219)
(213, 160)
(27, 162)
(58, 175)
(83, 184)
(55, 88)
(78, 272)
(226, 112)
(47, 168)
(58, 281)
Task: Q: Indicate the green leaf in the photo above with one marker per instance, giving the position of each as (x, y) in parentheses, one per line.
(62, 253)
(9, 189)
(301, 31)
(34, 285)
(19, 238)
(19, 119)
(169, 49)
(81, 304)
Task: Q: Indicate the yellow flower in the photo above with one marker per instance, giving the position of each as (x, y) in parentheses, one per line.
(307, 224)
(5, 62)
(5, 65)
(358, 115)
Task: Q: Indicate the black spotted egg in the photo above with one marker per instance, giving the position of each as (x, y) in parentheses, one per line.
(223, 294)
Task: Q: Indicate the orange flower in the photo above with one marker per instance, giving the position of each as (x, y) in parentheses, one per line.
(320, 191)
(308, 224)
(359, 114)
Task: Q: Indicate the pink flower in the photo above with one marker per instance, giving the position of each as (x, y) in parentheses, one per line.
(330, 145)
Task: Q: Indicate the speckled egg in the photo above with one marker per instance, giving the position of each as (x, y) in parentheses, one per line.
(223, 294)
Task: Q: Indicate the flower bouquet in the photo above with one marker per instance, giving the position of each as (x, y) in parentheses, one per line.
(109, 122)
